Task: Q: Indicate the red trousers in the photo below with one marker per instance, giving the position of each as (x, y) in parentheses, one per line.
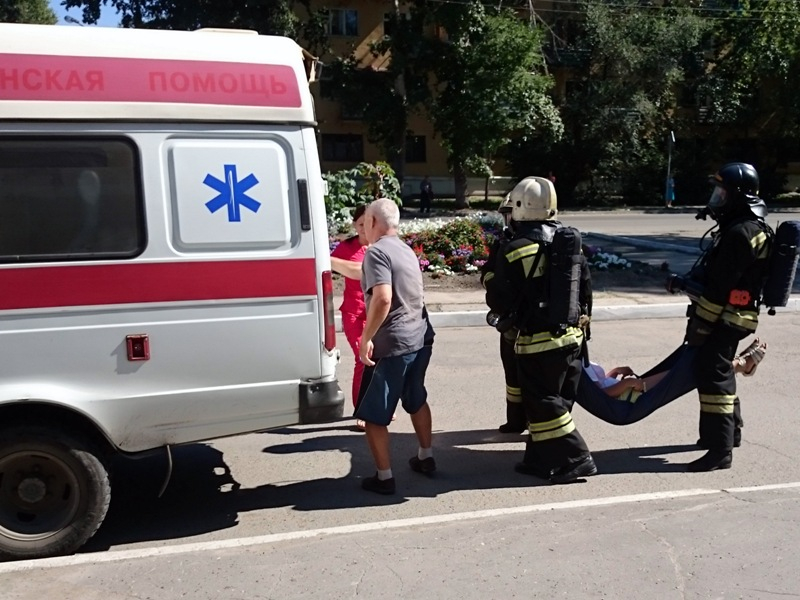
(353, 327)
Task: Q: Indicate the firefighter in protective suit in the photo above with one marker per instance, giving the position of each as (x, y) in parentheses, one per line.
(548, 355)
(515, 413)
(729, 277)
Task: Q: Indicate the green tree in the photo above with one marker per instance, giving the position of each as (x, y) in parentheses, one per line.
(748, 92)
(627, 100)
(624, 102)
(490, 87)
(276, 17)
(27, 11)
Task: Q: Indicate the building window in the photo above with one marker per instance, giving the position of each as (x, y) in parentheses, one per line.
(416, 149)
(342, 147)
(343, 21)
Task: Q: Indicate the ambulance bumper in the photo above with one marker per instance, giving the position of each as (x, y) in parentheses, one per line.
(321, 402)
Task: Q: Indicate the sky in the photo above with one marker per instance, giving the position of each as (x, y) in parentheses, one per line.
(108, 17)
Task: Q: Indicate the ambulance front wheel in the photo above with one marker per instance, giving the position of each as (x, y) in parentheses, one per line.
(54, 492)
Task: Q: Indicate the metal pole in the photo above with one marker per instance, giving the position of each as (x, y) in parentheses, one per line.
(670, 143)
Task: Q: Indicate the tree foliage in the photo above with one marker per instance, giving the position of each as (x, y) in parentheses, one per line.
(490, 87)
(624, 103)
(27, 11)
(276, 17)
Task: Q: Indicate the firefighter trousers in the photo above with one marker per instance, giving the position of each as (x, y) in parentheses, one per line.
(720, 411)
(515, 413)
(549, 383)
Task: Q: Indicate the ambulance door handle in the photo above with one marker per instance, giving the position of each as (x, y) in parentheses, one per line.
(305, 213)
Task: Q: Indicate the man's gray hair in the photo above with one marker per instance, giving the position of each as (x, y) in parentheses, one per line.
(386, 212)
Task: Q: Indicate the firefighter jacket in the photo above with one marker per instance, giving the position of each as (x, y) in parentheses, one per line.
(519, 287)
(731, 274)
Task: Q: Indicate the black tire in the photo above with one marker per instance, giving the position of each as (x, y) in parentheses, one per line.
(54, 492)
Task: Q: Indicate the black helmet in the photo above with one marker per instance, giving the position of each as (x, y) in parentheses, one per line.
(736, 188)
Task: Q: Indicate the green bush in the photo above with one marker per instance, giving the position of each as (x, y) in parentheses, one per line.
(362, 184)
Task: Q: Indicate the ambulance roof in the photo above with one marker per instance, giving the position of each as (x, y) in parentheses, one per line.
(97, 73)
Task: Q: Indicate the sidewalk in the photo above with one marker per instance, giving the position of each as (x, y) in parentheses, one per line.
(467, 308)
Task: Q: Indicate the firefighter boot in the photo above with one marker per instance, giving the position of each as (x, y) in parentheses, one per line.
(737, 439)
(712, 460)
(515, 418)
(532, 463)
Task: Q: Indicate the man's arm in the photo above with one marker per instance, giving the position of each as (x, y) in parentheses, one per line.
(379, 306)
(348, 268)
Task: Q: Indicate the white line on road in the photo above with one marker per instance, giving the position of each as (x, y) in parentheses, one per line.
(122, 555)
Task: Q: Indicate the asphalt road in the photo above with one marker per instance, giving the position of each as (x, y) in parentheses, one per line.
(282, 515)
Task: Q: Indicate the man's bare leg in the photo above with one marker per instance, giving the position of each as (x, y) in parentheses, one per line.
(378, 440)
(423, 423)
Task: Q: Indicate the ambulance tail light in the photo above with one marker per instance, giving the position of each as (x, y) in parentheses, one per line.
(327, 308)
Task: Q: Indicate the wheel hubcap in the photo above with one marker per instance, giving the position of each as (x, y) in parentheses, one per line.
(32, 490)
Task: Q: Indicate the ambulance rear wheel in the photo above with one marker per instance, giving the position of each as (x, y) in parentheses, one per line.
(54, 492)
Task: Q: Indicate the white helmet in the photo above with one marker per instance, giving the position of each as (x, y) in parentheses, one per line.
(534, 199)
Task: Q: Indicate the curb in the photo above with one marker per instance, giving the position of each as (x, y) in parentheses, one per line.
(477, 318)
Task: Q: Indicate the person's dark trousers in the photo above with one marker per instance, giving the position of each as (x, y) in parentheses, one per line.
(516, 421)
(720, 411)
(425, 202)
(549, 383)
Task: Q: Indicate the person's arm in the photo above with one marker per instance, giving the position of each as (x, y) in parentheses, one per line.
(379, 305)
(348, 268)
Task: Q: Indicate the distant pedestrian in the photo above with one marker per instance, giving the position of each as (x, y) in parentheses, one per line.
(669, 197)
(425, 195)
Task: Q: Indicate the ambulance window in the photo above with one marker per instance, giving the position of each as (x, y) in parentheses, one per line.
(69, 199)
(231, 194)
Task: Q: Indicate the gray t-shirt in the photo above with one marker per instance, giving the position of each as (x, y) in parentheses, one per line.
(391, 261)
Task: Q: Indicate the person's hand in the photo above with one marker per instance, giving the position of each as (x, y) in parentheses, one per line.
(623, 371)
(365, 352)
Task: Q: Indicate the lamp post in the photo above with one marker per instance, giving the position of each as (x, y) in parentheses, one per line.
(72, 20)
(667, 194)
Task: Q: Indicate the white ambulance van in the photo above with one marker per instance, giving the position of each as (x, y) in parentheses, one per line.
(164, 260)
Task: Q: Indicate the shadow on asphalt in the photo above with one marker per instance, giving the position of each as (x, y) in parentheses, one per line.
(203, 497)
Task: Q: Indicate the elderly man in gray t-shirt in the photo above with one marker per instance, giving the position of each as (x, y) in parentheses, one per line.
(395, 346)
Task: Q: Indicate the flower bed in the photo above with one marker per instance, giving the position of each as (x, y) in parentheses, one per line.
(461, 245)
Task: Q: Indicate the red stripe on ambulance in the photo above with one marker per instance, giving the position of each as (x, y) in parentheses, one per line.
(88, 79)
(69, 285)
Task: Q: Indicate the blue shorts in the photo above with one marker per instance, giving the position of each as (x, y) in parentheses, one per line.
(391, 380)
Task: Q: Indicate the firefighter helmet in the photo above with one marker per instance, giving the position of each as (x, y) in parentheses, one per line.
(736, 188)
(533, 199)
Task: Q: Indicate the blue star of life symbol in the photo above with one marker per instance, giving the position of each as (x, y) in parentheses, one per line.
(232, 193)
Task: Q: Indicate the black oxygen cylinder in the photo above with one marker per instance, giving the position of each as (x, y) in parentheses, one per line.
(565, 277)
(782, 265)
